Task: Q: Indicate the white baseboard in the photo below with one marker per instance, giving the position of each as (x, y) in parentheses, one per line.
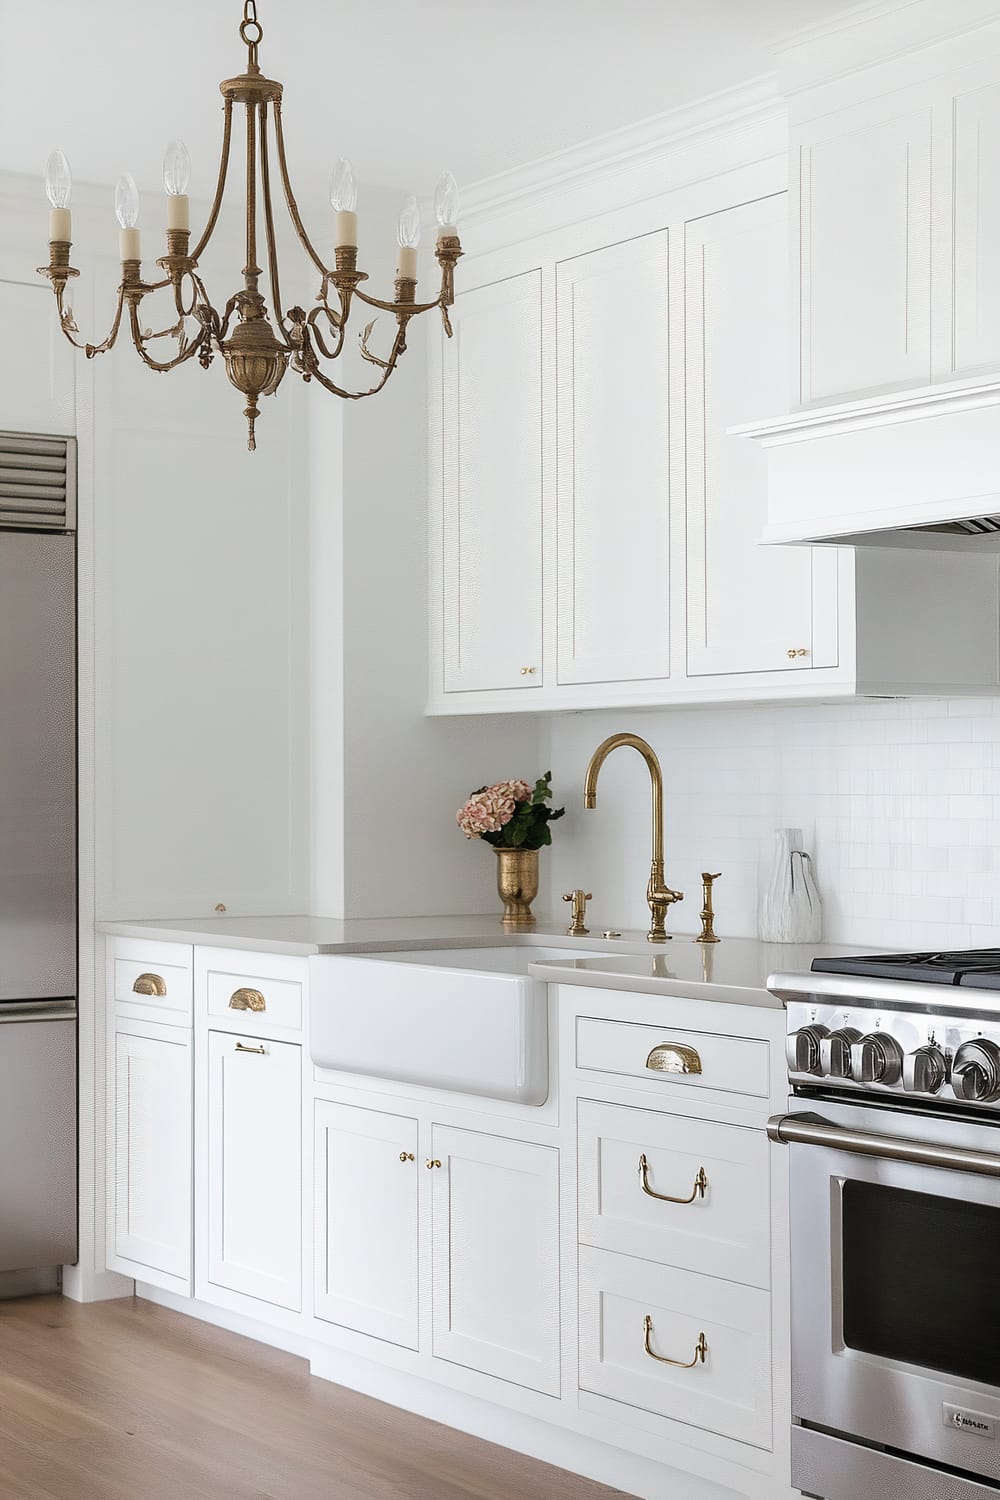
(95, 1286)
(233, 1322)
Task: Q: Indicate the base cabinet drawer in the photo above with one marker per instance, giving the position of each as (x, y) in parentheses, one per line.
(255, 1167)
(153, 981)
(671, 1188)
(251, 991)
(367, 1186)
(635, 1316)
(673, 1059)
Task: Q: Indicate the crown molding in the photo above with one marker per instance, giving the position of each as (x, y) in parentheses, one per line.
(634, 148)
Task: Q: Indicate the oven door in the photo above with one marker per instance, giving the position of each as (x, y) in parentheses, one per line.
(896, 1282)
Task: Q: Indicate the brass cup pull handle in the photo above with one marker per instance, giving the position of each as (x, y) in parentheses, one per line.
(150, 984)
(698, 1191)
(673, 1057)
(700, 1350)
(431, 1161)
(247, 1000)
(407, 1156)
(241, 1048)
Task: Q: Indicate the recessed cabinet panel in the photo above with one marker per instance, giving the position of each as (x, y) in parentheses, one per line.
(865, 198)
(151, 1149)
(613, 463)
(977, 230)
(255, 1167)
(367, 1185)
(492, 488)
(36, 394)
(495, 1234)
(750, 608)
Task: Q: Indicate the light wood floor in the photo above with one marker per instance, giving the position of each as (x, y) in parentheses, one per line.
(129, 1401)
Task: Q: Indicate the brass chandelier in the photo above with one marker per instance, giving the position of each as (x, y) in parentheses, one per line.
(256, 352)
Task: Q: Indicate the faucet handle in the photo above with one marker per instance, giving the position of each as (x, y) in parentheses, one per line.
(579, 899)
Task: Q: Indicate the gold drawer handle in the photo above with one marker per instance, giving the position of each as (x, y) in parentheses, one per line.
(407, 1156)
(673, 1057)
(150, 984)
(698, 1191)
(431, 1161)
(247, 1000)
(700, 1350)
(240, 1048)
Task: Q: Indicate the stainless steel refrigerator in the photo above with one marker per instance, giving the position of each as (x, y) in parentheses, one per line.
(38, 887)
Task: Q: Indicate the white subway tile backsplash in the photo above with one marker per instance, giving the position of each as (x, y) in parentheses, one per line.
(899, 803)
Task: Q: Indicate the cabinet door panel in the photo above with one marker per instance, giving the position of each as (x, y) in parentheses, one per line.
(748, 606)
(366, 1221)
(151, 1201)
(612, 340)
(865, 191)
(36, 394)
(492, 488)
(255, 1168)
(977, 229)
(495, 1233)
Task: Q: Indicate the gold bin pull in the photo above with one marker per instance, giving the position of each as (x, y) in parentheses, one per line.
(673, 1057)
(698, 1191)
(150, 984)
(700, 1350)
(247, 1000)
(241, 1048)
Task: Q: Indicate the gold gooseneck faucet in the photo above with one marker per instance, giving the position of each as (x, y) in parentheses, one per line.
(658, 893)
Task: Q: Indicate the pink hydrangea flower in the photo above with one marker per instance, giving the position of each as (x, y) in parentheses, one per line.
(519, 790)
(485, 812)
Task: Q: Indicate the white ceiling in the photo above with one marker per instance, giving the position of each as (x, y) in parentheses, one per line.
(402, 87)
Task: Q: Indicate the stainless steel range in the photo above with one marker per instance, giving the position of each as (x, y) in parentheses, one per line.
(894, 1137)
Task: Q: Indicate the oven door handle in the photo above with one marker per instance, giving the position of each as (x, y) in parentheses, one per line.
(810, 1130)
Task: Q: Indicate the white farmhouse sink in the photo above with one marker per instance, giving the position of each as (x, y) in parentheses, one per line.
(467, 1019)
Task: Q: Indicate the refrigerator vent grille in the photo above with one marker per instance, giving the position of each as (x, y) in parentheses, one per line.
(37, 482)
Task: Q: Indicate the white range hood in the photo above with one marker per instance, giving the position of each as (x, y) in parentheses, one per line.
(910, 469)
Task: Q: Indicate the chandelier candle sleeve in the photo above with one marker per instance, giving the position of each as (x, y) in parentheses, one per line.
(257, 334)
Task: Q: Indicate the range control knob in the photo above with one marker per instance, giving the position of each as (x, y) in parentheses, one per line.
(876, 1058)
(975, 1072)
(802, 1049)
(835, 1052)
(925, 1070)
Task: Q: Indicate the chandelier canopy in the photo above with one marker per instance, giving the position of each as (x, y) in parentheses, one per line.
(256, 351)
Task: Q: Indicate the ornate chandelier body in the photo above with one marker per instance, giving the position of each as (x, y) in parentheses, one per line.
(256, 351)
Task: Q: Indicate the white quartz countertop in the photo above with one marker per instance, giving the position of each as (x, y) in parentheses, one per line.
(734, 970)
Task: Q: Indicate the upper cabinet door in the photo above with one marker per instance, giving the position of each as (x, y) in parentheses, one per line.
(613, 466)
(491, 482)
(36, 394)
(976, 116)
(864, 185)
(749, 608)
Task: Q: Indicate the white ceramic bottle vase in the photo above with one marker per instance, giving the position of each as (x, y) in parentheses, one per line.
(790, 910)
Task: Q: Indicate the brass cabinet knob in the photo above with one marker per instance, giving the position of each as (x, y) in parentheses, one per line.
(407, 1156)
(528, 671)
(150, 984)
(431, 1162)
(794, 651)
(247, 1000)
(673, 1057)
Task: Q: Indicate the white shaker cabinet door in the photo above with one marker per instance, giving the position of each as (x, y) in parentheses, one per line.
(255, 1167)
(36, 394)
(149, 1228)
(864, 188)
(749, 608)
(491, 475)
(367, 1186)
(495, 1237)
(976, 116)
(613, 463)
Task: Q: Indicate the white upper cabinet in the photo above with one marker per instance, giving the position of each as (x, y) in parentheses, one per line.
(749, 608)
(489, 477)
(36, 394)
(864, 199)
(613, 463)
(976, 272)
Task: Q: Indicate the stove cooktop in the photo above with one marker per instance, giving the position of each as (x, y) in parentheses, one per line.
(978, 967)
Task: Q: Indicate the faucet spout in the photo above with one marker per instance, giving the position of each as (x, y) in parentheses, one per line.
(658, 894)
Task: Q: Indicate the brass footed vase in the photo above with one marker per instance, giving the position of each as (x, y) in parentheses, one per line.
(517, 886)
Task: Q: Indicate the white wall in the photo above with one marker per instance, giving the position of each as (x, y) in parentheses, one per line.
(899, 802)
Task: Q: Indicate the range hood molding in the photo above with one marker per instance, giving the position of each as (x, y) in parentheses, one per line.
(882, 471)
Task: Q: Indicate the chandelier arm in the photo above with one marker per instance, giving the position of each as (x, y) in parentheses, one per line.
(185, 312)
(335, 323)
(412, 308)
(272, 253)
(139, 340)
(293, 207)
(69, 326)
(227, 135)
(309, 367)
(251, 270)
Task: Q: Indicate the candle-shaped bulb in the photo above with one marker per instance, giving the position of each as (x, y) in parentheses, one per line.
(176, 169)
(58, 180)
(446, 204)
(408, 225)
(127, 201)
(343, 187)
